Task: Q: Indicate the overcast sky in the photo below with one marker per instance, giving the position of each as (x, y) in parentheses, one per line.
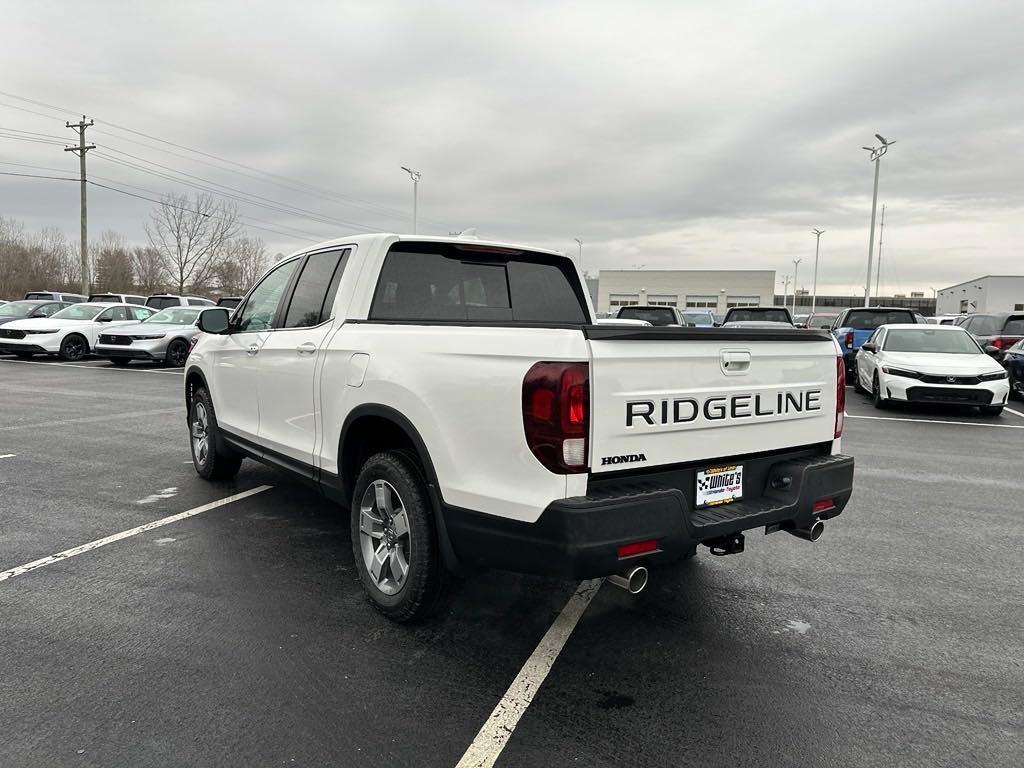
(674, 135)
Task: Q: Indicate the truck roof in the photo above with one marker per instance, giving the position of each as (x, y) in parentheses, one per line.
(375, 237)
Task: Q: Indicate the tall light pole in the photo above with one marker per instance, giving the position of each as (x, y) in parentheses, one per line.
(785, 290)
(580, 244)
(876, 158)
(796, 269)
(878, 271)
(415, 176)
(817, 243)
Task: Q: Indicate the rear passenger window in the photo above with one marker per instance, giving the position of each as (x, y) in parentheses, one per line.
(140, 313)
(439, 282)
(313, 297)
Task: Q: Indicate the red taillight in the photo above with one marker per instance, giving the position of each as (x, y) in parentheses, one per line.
(821, 505)
(1004, 343)
(849, 339)
(638, 548)
(556, 415)
(840, 395)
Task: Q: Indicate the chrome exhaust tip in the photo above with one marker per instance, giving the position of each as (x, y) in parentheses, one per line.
(633, 581)
(813, 533)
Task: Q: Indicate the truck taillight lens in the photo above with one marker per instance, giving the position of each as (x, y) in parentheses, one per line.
(556, 415)
(1005, 343)
(849, 339)
(840, 396)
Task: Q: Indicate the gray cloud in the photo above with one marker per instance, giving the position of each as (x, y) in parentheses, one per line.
(670, 134)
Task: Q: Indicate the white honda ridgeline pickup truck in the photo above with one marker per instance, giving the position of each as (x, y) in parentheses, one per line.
(458, 398)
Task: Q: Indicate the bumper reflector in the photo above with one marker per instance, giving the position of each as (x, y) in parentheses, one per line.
(822, 504)
(638, 548)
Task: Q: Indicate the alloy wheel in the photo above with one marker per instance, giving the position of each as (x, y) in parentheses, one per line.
(384, 536)
(200, 433)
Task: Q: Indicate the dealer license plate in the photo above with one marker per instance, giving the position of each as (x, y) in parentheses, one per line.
(719, 485)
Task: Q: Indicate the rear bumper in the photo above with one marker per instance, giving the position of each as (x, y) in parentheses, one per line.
(580, 537)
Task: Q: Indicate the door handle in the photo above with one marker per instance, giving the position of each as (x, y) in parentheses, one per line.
(253, 350)
(306, 348)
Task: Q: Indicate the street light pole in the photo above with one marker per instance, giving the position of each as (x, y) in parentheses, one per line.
(876, 158)
(796, 269)
(785, 291)
(580, 244)
(878, 271)
(415, 176)
(817, 243)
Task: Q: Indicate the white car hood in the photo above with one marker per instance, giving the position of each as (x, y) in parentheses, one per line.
(939, 362)
(42, 323)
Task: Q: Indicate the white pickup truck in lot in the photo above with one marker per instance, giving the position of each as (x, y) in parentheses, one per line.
(457, 397)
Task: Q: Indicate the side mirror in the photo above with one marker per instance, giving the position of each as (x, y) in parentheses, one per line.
(104, 319)
(214, 320)
(801, 325)
(38, 314)
(867, 346)
(993, 350)
(717, 325)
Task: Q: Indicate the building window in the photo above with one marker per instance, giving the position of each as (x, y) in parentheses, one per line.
(705, 302)
(963, 306)
(664, 300)
(623, 300)
(742, 301)
(1018, 307)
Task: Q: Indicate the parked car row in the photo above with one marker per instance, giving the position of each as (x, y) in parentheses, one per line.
(117, 331)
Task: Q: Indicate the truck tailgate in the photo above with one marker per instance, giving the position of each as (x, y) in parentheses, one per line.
(664, 396)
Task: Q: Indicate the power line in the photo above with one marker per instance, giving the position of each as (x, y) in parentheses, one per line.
(37, 176)
(288, 183)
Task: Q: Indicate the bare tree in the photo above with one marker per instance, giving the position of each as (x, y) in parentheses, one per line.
(148, 268)
(113, 269)
(190, 234)
(244, 260)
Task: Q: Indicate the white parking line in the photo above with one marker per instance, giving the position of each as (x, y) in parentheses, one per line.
(498, 729)
(937, 421)
(12, 455)
(18, 571)
(174, 372)
(93, 419)
(1015, 413)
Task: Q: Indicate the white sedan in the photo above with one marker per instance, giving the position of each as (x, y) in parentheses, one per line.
(70, 333)
(930, 364)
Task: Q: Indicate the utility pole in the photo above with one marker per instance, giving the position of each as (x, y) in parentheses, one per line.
(876, 158)
(817, 243)
(415, 176)
(796, 269)
(580, 244)
(881, 234)
(785, 290)
(80, 150)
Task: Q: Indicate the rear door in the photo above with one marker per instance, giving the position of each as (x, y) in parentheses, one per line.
(289, 357)
(667, 396)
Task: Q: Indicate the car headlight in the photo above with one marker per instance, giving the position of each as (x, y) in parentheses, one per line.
(901, 372)
(148, 337)
(993, 376)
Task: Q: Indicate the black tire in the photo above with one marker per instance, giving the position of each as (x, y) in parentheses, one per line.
(876, 395)
(991, 410)
(120, 362)
(857, 386)
(424, 587)
(73, 348)
(177, 353)
(211, 463)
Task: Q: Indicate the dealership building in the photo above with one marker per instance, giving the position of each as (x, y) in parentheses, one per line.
(712, 289)
(991, 293)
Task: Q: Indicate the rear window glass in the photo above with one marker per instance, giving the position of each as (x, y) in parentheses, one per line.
(37, 296)
(1014, 326)
(162, 302)
(104, 297)
(864, 319)
(653, 315)
(766, 315)
(442, 281)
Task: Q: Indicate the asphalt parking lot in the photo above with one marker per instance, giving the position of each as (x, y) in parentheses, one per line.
(240, 635)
